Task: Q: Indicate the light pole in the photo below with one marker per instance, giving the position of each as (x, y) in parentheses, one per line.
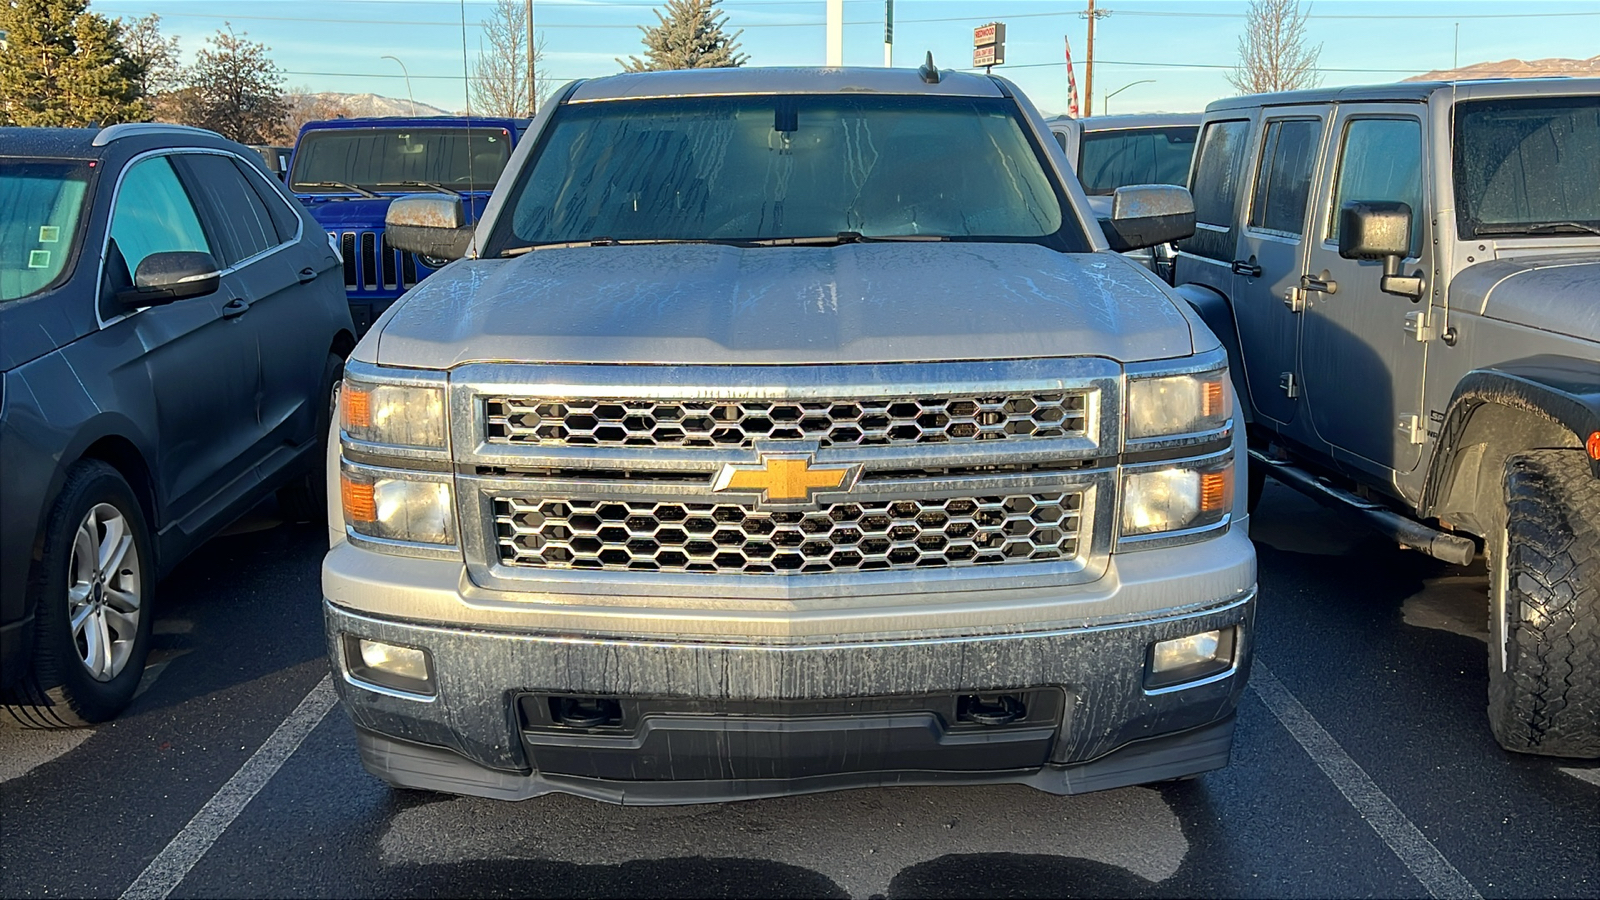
(1106, 99)
(409, 95)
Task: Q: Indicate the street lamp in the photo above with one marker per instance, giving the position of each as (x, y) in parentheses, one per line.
(1105, 99)
(409, 95)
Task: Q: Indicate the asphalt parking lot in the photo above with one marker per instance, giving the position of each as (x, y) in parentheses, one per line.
(1363, 766)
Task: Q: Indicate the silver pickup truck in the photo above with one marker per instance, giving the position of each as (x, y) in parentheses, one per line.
(785, 430)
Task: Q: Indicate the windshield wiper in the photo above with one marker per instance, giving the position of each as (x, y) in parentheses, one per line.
(338, 184)
(608, 242)
(843, 237)
(1541, 228)
(422, 184)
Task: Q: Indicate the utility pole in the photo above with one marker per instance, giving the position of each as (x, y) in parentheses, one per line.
(835, 33)
(888, 34)
(533, 98)
(1088, 67)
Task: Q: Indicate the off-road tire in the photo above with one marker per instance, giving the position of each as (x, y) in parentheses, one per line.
(305, 499)
(58, 691)
(1545, 564)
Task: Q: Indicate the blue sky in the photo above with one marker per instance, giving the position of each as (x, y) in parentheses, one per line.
(1185, 46)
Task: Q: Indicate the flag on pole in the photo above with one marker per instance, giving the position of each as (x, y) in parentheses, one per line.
(1072, 83)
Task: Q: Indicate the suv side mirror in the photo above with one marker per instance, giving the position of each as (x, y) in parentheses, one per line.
(1380, 229)
(1146, 215)
(430, 225)
(166, 277)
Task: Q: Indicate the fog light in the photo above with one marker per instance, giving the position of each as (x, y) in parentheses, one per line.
(401, 668)
(1189, 658)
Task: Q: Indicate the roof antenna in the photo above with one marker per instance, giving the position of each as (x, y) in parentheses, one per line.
(928, 72)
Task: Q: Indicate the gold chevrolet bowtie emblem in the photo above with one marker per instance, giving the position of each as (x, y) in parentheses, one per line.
(785, 479)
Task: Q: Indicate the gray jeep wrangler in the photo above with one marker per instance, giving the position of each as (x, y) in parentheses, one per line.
(1408, 280)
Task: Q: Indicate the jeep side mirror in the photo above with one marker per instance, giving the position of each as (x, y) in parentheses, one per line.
(1147, 215)
(166, 277)
(1380, 229)
(430, 225)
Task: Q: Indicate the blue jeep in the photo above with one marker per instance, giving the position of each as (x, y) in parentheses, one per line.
(346, 171)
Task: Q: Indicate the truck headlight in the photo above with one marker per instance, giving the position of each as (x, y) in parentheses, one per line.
(393, 414)
(1178, 404)
(1176, 497)
(398, 506)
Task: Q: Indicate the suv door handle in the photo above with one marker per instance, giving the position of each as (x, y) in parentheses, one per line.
(1247, 267)
(1321, 285)
(308, 275)
(238, 306)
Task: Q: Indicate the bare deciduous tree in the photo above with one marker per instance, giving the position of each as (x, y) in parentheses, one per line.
(1273, 53)
(499, 85)
(156, 54)
(305, 106)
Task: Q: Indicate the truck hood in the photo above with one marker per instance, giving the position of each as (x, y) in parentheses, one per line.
(857, 303)
(1559, 294)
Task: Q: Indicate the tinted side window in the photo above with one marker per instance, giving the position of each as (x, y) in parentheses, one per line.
(284, 218)
(1283, 182)
(1382, 160)
(153, 215)
(1215, 186)
(239, 220)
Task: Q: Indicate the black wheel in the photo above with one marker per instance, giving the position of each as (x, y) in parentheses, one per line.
(90, 593)
(305, 499)
(1544, 608)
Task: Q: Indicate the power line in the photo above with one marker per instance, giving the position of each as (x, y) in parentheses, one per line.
(1316, 15)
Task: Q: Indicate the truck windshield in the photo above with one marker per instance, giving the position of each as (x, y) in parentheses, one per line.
(1108, 160)
(406, 159)
(40, 202)
(788, 168)
(1528, 166)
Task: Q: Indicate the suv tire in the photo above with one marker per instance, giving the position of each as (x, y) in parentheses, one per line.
(1544, 603)
(87, 674)
(305, 499)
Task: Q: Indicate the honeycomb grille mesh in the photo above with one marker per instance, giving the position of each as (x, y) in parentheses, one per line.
(729, 539)
(729, 423)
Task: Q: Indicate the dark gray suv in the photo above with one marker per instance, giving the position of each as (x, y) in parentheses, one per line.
(172, 326)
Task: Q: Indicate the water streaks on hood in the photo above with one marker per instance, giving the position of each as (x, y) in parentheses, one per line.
(699, 304)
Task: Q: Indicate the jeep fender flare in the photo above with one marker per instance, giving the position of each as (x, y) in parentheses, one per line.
(1500, 410)
(1217, 312)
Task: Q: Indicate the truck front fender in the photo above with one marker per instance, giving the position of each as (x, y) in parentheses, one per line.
(1507, 408)
(1217, 312)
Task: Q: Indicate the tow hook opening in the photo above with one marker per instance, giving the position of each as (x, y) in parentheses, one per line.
(990, 710)
(585, 712)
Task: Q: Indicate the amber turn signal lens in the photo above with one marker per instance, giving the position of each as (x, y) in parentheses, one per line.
(1593, 445)
(359, 504)
(357, 406)
(1211, 399)
(1216, 491)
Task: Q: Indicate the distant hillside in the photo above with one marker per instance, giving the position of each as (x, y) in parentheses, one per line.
(1518, 68)
(355, 105)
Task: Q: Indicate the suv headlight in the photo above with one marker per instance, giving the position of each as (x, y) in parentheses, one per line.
(1171, 405)
(397, 415)
(1176, 496)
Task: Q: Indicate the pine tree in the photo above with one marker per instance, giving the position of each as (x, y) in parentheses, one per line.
(689, 36)
(65, 66)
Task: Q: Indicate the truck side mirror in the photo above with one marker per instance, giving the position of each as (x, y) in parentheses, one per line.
(430, 225)
(1146, 215)
(167, 277)
(1380, 229)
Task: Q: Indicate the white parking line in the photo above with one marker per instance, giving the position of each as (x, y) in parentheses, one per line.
(1404, 838)
(1590, 775)
(170, 866)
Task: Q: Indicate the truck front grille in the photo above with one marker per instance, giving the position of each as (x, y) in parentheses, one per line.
(740, 423)
(730, 539)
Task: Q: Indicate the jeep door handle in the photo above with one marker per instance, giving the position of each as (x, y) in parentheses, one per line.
(308, 275)
(1247, 267)
(234, 308)
(1324, 286)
